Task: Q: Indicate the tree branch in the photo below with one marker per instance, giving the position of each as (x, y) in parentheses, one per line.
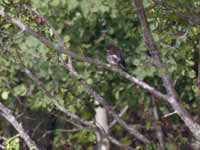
(59, 48)
(173, 97)
(55, 101)
(123, 111)
(108, 108)
(157, 127)
(6, 113)
(89, 60)
(62, 109)
(191, 19)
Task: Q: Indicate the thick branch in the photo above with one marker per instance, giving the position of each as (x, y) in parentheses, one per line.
(6, 113)
(173, 97)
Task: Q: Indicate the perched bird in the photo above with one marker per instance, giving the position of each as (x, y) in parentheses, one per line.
(114, 57)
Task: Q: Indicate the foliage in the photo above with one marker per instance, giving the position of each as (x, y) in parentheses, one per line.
(83, 24)
(13, 143)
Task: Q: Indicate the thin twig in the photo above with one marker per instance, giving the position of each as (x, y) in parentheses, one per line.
(59, 130)
(157, 127)
(123, 111)
(169, 114)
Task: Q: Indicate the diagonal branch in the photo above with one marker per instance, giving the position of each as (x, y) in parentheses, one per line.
(55, 101)
(66, 112)
(6, 113)
(73, 116)
(108, 108)
(89, 60)
(167, 82)
(123, 111)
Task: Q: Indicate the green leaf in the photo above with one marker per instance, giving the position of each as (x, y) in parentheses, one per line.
(89, 81)
(20, 90)
(13, 143)
(4, 95)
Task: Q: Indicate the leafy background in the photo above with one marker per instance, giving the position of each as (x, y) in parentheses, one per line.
(87, 26)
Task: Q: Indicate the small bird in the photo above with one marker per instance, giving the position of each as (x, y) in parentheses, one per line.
(114, 57)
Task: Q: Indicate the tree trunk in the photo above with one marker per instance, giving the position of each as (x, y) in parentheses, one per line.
(102, 129)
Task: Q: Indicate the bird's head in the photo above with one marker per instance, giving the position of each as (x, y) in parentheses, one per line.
(111, 48)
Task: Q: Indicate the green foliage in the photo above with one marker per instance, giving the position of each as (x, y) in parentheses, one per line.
(82, 24)
(13, 143)
(5, 95)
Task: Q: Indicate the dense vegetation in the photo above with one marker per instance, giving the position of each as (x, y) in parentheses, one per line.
(53, 66)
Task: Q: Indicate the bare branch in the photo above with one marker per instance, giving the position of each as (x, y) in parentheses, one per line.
(123, 111)
(3, 143)
(169, 114)
(157, 127)
(168, 84)
(2, 147)
(198, 49)
(6, 113)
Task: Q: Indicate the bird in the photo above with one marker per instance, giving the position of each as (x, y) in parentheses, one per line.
(115, 57)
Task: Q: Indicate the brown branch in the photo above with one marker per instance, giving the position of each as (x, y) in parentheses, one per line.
(6, 113)
(123, 111)
(198, 77)
(168, 84)
(157, 127)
